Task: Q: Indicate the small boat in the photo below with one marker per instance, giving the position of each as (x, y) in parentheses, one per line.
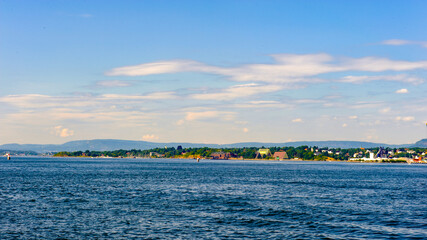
(8, 156)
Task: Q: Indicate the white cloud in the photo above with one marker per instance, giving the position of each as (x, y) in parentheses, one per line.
(353, 117)
(400, 42)
(405, 119)
(149, 137)
(245, 130)
(287, 69)
(158, 68)
(263, 102)
(38, 101)
(402, 91)
(375, 64)
(397, 78)
(63, 132)
(395, 42)
(33, 100)
(123, 109)
(297, 120)
(344, 125)
(365, 105)
(238, 91)
(152, 96)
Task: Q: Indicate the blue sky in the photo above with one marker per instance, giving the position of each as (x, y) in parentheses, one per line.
(213, 71)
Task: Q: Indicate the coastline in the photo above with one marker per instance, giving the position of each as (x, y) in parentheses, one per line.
(397, 161)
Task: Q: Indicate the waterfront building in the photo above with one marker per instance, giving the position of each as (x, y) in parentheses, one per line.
(280, 155)
(382, 153)
(263, 152)
(220, 155)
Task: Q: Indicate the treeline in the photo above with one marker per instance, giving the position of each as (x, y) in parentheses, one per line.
(18, 152)
(302, 152)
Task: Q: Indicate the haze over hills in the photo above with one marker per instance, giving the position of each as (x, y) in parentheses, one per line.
(114, 144)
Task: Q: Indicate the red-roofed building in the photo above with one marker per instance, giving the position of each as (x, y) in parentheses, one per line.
(280, 155)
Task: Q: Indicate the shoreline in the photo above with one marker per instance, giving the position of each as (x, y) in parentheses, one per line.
(397, 161)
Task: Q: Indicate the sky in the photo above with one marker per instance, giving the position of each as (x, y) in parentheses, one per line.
(213, 71)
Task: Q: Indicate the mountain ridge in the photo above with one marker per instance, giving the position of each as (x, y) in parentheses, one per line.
(116, 144)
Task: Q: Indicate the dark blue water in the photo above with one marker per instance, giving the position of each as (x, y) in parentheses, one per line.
(48, 198)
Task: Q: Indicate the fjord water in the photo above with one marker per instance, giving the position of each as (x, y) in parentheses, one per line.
(49, 198)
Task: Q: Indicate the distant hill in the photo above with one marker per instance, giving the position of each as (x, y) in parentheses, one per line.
(113, 144)
(96, 145)
(82, 145)
(330, 144)
(421, 144)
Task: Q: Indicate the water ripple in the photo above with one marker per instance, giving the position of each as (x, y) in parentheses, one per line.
(180, 199)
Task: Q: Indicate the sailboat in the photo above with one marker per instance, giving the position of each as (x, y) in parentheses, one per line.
(8, 156)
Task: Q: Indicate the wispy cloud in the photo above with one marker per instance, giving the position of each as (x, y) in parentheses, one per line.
(297, 120)
(125, 109)
(286, 69)
(151, 96)
(366, 105)
(400, 42)
(237, 91)
(39, 101)
(397, 78)
(159, 68)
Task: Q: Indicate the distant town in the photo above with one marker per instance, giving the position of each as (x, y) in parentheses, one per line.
(392, 155)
